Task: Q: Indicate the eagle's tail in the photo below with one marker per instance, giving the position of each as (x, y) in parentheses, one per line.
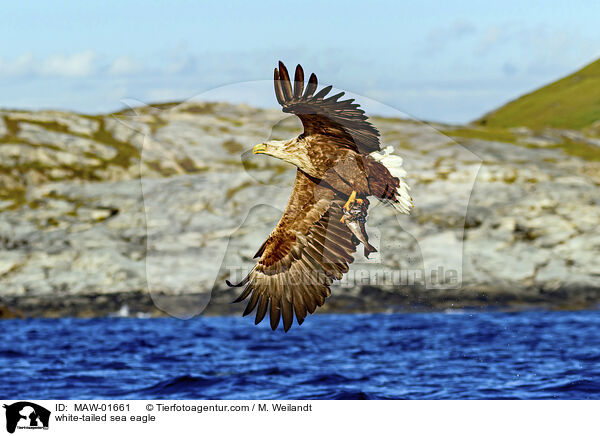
(403, 202)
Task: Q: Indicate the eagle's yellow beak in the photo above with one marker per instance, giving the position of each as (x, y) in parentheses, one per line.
(259, 148)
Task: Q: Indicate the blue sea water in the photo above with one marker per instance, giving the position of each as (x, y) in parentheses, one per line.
(527, 355)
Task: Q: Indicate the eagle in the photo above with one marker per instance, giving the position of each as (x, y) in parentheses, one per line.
(340, 164)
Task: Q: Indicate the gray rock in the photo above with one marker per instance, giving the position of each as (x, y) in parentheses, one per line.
(3, 129)
(80, 146)
(75, 123)
(515, 223)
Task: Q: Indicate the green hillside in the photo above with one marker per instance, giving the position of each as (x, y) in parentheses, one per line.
(569, 103)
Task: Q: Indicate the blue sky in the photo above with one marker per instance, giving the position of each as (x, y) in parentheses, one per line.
(446, 61)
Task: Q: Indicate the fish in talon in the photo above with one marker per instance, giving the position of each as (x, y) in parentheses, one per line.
(354, 218)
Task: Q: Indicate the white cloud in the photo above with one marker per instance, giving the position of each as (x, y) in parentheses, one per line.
(124, 65)
(182, 64)
(475, 68)
(80, 64)
(21, 66)
(75, 65)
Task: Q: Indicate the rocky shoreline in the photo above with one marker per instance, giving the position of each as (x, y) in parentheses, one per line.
(99, 213)
(367, 300)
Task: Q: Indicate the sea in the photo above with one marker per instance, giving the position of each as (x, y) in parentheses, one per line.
(451, 355)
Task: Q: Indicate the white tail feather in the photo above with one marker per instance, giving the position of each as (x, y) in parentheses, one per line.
(394, 165)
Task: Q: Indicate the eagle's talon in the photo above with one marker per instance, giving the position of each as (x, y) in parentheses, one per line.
(351, 200)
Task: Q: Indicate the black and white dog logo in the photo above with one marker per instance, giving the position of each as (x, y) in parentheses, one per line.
(26, 415)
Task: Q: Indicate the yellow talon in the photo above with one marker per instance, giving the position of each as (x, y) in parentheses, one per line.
(342, 219)
(351, 200)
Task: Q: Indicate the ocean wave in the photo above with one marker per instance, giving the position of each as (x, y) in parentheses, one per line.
(524, 355)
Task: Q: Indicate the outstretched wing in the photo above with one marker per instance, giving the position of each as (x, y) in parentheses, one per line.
(330, 117)
(306, 251)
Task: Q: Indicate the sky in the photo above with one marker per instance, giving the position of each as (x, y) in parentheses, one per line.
(438, 61)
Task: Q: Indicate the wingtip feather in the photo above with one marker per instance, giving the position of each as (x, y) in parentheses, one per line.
(298, 81)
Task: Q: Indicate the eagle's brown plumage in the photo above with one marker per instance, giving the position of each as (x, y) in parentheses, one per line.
(308, 249)
(343, 120)
(310, 246)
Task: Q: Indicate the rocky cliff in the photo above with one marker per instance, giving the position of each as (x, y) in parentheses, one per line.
(150, 211)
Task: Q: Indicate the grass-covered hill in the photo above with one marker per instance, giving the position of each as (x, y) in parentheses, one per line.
(572, 102)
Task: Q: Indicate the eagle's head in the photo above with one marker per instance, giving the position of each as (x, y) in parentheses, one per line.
(292, 151)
